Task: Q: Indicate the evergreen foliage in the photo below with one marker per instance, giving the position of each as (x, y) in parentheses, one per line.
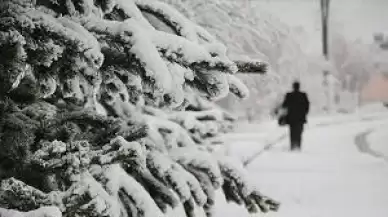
(105, 113)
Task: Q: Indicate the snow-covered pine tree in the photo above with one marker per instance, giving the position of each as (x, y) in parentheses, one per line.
(105, 111)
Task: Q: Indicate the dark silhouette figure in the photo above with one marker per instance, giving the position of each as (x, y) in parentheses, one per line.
(297, 105)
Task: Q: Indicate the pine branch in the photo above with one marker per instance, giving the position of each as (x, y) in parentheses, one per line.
(237, 189)
(15, 194)
(248, 67)
(207, 187)
(160, 193)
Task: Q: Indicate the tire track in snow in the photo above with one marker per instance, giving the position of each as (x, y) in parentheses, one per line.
(363, 145)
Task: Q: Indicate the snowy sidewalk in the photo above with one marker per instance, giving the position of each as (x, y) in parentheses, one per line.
(329, 178)
(250, 140)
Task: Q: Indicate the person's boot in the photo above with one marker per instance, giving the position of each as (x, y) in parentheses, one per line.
(298, 147)
(293, 146)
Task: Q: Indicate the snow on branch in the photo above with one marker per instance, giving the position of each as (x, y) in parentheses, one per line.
(181, 25)
(237, 87)
(188, 53)
(167, 133)
(169, 15)
(118, 179)
(200, 160)
(135, 38)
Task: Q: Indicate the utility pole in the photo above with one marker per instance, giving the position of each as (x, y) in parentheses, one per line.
(325, 6)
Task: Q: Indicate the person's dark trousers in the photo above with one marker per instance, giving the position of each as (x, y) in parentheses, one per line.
(296, 130)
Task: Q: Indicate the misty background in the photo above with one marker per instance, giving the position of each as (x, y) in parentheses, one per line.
(356, 19)
(287, 34)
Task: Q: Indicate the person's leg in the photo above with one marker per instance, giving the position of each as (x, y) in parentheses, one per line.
(299, 132)
(293, 136)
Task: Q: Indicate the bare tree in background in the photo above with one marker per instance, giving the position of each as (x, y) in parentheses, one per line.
(354, 61)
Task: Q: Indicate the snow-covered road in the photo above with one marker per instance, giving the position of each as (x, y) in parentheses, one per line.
(340, 172)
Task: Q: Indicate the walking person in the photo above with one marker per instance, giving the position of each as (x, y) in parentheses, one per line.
(297, 105)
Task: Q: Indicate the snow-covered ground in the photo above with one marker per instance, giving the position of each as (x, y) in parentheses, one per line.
(378, 139)
(342, 170)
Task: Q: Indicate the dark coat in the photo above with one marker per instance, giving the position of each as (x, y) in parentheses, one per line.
(297, 105)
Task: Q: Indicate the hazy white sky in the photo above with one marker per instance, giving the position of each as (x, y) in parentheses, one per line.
(355, 18)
